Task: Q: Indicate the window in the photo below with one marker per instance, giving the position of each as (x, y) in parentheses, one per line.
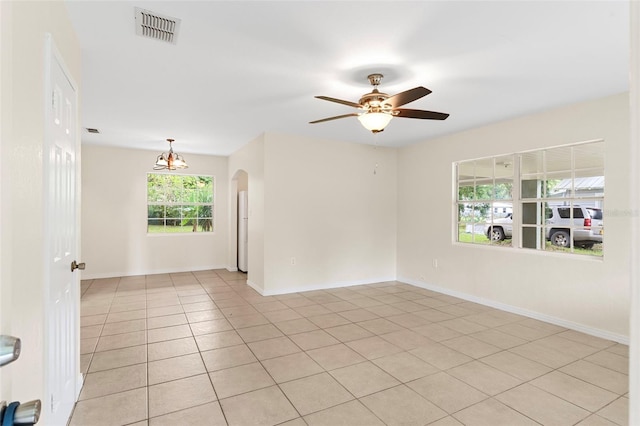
(179, 203)
(559, 193)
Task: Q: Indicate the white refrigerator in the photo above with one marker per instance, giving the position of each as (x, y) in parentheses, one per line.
(243, 230)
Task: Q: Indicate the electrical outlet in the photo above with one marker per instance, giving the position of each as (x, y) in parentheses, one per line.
(293, 261)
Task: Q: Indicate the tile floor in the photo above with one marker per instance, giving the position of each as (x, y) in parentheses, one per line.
(203, 348)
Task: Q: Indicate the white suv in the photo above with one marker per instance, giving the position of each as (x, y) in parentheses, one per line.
(587, 226)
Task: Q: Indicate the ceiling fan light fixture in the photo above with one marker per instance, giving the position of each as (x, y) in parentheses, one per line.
(375, 121)
(170, 160)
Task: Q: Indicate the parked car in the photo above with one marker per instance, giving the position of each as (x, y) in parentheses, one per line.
(587, 226)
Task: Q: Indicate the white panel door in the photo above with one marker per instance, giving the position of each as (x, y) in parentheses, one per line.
(62, 300)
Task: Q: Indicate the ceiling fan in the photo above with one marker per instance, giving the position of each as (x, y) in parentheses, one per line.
(379, 108)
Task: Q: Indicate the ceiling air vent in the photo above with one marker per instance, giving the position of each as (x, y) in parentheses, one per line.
(92, 130)
(153, 25)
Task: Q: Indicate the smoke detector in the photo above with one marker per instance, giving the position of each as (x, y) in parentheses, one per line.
(154, 25)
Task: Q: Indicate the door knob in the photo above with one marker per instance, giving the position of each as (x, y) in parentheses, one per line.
(75, 266)
(9, 349)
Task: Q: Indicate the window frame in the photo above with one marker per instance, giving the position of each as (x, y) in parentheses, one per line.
(544, 203)
(182, 203)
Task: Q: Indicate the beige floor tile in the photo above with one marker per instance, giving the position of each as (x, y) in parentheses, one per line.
(244, 321)
(574, 390)
(206, 342)
(619, 349)
(373, 347)
(335, 356)
(440, 356)
(312, 310)
(273, 305)
(283, 315)
(93, 320)
(175, 368)
(610, 360)
(85, 362)
(268, 407)
(90, 331)
(272, 348)
(436, 332)
(88, 346)
(113, 381)
(166, 321)
(541, 406)
(408, 320)
(364, 378)
(341, 306)
(351, 413)
(118, 358)
(485, 378)
(380, 326)
(196, 298)
(596, 420)
(617, 411)
(586, 339)
(164, 311)
(171, 348)
(162, 302)
(599, 376)
(348, 332)
(296, 326)
(383, 310)
(168, 333)
(406, 339)
(492, 412)
(402, 406)
(208, 414)
(447, 392)
(206, 315)
(231, 356)
(124, 327)
(291, 367)
(329, 320)
(238, 310)
(315, 393)
(208, 327)
(133, 306)
(463, 326)
(524, 332)
(118, 341)
(515, 365)
(405, 367)
(236, 380)
(566, 345)
(180, 394)
(471, 347)
(357, 315)
(126, 316)
(313, 339)
(259, 332)
(446, 421)
(544, 355)
(120, 408)
(498, 338)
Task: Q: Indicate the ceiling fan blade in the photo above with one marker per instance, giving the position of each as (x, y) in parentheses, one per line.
(407, 96)
(340, 101)
(334, 118)
(418, 113)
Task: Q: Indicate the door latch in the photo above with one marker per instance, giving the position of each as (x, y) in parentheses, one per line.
(75, 266)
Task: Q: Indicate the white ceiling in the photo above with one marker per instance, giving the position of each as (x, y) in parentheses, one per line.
(242, 68)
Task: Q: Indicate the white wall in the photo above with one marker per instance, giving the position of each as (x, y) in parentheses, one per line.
(585, 292)
(114, 209)
(250, 158)
(325, 207)
(24, 25)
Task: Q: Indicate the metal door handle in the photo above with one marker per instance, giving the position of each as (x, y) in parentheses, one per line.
(75, 266)
(27, 413)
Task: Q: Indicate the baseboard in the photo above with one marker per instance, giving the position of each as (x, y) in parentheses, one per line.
(255, 287)
(615, 337)
(87, 275)
(326, 286)
(232, 269)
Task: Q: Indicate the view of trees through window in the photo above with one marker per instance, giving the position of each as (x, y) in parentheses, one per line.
(550, 199)
(179, 203)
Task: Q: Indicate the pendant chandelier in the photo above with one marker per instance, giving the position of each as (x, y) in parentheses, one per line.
(170, 160)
